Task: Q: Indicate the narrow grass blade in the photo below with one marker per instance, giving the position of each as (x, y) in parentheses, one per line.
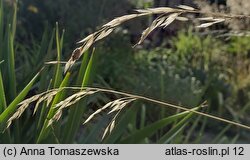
(58, 73)
(192, 129)
(1, 29)
(11, 67)
(45, 129)
(151, 129)
(42, 113)
(201, 131)
(5, 137)
(234, 140)
(44, 84)
(95, 130)
(176, 129)
(58, 81)
(14, 104)
(45, 73)
(3, 104)
(122, 125)
(50, 45)
(14, 17)
(143, 116)
(83, 68)
(221, 134)
(75, 115)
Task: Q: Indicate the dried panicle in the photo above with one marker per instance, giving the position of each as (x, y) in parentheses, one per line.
(159, 10)
(111, 125)
(205, 18)
(26, 103)
(161, 21)
(183, 19)
(109, 128)
(23, 106)
(186, 7)
(77, 53)
(29, 100)
(16, 115)
(55, 62)
(98, 111)
(86, 39)
(170, 19)
(205, 25)
(74, 56)
(69, 101)
(117, 21)
(108, 28)
(49, 100)
(121, 104)
(234, 34)
(50, 123)
(104, 34)
(56, 117)
(152, 27)
(47, 97)
(105, 132)
(212, 22)
(167, 16)
(115, 105)
(73, 99)
(118, 106)
(87, 42)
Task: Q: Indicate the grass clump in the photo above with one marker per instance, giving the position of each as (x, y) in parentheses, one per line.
(60, 106)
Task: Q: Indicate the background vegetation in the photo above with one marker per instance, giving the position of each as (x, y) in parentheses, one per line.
(183, 66)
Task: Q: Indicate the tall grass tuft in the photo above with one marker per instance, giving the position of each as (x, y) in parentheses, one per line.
(62, 103)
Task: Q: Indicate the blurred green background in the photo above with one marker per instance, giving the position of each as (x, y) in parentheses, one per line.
(179, 64)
